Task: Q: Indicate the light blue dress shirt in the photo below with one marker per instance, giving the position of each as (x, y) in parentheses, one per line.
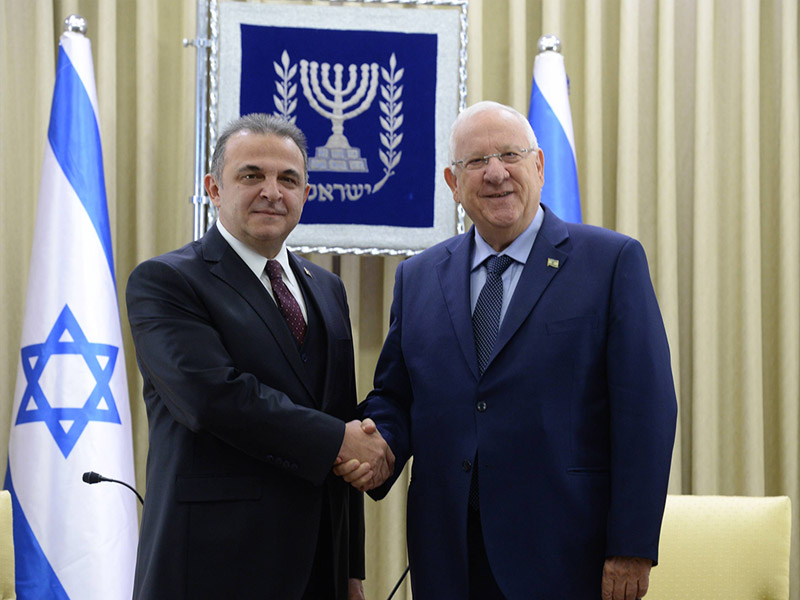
(519, 250)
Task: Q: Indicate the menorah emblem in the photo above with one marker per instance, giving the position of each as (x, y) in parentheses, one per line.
(337, 154)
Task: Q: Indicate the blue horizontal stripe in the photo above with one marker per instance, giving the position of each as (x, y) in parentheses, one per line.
(560, 192)
(75, 138)
(35, 578)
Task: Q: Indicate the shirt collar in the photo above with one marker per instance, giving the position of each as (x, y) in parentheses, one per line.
(519, 249)
(255, 261)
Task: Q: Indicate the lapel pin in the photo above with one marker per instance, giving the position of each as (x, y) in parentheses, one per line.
(552, 262)
(307, 272)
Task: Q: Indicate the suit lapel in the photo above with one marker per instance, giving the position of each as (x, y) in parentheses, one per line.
(539, 271)
(543, 264)
(314, 294)
(454, 277)
(225, 264)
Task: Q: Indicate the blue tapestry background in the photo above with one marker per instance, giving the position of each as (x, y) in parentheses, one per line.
(406, 198)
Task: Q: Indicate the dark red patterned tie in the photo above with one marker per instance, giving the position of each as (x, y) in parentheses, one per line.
(286, 302)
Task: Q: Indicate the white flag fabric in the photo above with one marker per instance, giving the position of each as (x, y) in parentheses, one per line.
(551, 119)
(71, 412)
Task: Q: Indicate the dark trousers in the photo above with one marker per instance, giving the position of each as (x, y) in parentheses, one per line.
(320, 584)
(482, 585)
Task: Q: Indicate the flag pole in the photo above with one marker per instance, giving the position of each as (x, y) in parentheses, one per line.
(199, 199)
(549, 43)
(75, 24)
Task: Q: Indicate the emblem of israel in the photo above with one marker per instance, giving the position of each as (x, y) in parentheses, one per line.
(339, 99)
(338, 104)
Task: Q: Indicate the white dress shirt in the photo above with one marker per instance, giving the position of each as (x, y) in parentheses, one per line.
(258, 263)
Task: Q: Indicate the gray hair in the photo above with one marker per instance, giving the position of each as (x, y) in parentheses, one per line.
(259, 123)
(479, 107)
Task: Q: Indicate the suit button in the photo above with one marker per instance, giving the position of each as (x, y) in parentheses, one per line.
(304, 356)
(466, 465)
(481, 406)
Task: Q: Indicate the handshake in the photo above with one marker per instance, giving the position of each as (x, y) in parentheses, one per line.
(365, 460)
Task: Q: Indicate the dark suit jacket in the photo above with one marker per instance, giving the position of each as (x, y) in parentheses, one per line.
(240, 449)
(574, 416)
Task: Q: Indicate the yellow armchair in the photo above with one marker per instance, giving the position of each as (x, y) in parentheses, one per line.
(728, 547)
(6, 548)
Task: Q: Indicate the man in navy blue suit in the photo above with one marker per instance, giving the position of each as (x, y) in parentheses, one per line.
(527, 372)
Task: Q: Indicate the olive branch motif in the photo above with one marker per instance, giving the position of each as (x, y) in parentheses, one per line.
(286, 103)
(391, 108)
(391, 120)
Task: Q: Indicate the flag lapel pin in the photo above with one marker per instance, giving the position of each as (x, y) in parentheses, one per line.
(552, 262)
(307, 272)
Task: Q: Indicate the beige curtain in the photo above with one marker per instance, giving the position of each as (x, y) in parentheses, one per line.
(688, 138)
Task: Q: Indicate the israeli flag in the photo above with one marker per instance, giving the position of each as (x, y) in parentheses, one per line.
(71, 411)
(551, 120)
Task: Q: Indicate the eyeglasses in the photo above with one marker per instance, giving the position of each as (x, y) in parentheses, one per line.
(509, 158)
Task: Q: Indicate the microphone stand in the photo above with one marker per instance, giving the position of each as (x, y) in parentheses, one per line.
(399, 581)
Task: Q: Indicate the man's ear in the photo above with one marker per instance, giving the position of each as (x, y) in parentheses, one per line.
(452, 181)
(212, 188)
(540, 166)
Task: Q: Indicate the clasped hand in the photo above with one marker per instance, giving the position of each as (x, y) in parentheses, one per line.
(365, 460)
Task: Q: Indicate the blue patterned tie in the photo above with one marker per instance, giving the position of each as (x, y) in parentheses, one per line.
(486, 317)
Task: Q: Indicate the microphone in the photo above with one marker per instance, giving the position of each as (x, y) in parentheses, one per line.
(92, 477)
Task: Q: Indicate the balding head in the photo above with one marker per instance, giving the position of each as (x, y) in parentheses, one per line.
(488, 105)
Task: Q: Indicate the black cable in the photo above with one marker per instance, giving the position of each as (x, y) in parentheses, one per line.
(399, 581)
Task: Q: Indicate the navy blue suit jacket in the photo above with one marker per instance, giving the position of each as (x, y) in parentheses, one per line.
(574, 416)
(241, 449)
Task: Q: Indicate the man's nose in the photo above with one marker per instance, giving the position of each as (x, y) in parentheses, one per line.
(270, 189)
(495, 170)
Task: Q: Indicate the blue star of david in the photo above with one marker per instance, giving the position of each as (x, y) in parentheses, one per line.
(35, 406)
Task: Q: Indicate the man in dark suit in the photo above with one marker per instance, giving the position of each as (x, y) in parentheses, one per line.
(534, 391)
(247, 358)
